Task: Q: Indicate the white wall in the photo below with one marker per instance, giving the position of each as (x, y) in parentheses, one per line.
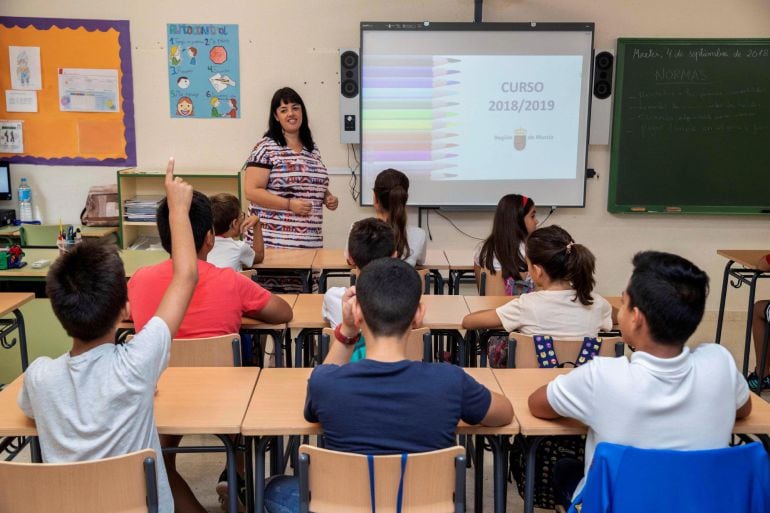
(295, 42)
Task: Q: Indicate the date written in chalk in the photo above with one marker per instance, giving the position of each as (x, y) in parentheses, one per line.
(521, 105)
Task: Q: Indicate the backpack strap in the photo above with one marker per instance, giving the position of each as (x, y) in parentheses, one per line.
(590, 348)
(400, 496)
(544, 352)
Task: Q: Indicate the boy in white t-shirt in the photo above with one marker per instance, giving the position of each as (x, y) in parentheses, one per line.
(229, 223)
(666, 396)
(96, 401)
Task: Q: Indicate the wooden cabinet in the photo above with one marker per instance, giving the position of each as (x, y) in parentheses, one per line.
(137, 182)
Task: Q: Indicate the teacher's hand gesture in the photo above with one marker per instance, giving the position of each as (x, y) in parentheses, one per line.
(300, 207)
(331, 201)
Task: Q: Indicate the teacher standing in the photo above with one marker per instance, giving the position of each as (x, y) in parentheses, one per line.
(287, 184)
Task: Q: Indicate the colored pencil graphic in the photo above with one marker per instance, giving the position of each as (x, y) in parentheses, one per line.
(406, 93)
(407, 83)
(405, 124)
(408, 60)
(406, 114)
(404, 103)
(402, 71)
(415, 166)
(408, 136)
(412, 146)
(409, 156)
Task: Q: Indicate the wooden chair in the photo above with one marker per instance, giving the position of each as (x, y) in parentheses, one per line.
(521, 350)
(418, 347)
(423, 273)
(39, 235)
(489, 284)
(122, 484)
(338, 482)
(223, 351)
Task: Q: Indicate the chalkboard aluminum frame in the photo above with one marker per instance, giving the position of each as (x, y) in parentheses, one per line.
(397, 26)
(613, 206)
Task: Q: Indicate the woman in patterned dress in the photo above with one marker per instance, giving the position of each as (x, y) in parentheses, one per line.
(286, 182)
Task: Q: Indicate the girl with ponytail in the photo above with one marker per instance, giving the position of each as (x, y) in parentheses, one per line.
(562, 305)
(391, 191)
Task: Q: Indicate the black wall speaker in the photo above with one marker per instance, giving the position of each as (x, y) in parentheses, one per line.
(601, 102)
(350, 89)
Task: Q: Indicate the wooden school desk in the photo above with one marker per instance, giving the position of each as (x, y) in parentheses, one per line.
(518, 385)
(190, 400)
(10, 302)
(296, 261)
(742, 266)
(309, 320)
(277, 409)
(330, 262)
(435, 262)
(444, 316)
(132, 261)
(460, 263)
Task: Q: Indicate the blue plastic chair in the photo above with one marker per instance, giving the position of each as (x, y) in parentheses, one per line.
(630, 480)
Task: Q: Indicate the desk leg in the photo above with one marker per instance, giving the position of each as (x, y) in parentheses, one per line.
(232, 474)
(322, 278)
(308, 285)
(249, 463)
(529, 488)
(478, 475)
(722, 298)
(22, 339)
(286, 335)
(749, 322)
(36, 454)
(460, 341)
(500, 477)
(278, 347)
(259, 475)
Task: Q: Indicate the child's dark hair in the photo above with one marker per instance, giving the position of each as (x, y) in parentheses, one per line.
(388, 291)
(671, 293)
(553, 249)
(87, 288)
(275, 132)
(508, 232)
(201, 219)
(391, 187)
(225, 208)
(369, 240)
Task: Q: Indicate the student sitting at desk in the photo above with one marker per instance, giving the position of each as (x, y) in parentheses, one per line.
(230, 222)
(221, 298)
(666, 396)
(562, 305)
(369, 239)
(96, 401)
(758, 325)
(355, 402)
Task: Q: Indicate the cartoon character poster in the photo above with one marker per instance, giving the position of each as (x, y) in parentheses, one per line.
(203, 71)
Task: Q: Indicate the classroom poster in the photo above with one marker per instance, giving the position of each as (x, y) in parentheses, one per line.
(88, 90)
(11, 137)
(25, 67)
(203, 71)
(20, 101)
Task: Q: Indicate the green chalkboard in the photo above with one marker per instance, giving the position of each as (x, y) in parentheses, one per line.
(691, 126)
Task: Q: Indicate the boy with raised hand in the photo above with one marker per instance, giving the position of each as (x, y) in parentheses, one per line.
(386, 404)
(665, 396)
(97, 400)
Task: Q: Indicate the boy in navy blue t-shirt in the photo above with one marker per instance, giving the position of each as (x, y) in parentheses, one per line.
(386, 404)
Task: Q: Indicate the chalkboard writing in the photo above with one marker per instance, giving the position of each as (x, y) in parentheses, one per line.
(691, 126)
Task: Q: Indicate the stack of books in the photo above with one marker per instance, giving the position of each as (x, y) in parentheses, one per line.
(141, 208)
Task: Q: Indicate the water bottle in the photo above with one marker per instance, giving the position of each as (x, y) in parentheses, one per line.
(25, 201)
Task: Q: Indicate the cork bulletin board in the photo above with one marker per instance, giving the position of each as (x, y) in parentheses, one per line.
(86, 128)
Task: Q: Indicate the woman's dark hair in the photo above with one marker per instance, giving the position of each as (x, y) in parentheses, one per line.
(391, 187)
(553, 249)
(275, 132)
(508, 232)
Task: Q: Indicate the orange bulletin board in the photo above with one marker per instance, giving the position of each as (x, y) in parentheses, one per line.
(55, 137)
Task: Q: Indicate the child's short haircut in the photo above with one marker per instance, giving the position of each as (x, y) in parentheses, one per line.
(201, 220)
(388, 291)
(369, 240)
(87, 288)
(225, 208)
(671, 293)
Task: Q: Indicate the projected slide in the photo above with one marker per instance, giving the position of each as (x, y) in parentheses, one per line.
(473, 117)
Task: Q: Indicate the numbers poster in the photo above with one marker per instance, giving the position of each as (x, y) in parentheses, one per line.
(203, 71)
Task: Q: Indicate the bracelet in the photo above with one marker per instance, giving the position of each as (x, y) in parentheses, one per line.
(348, 341)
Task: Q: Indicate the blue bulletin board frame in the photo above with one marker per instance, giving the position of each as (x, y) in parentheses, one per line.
(203, 71)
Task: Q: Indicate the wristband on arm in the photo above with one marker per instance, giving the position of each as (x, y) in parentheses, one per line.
(348, 341)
